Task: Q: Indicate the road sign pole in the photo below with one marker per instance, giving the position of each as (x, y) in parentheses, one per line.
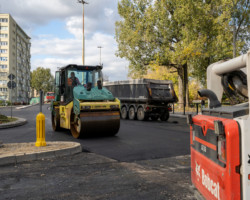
(11, 84)
(11, 103)
(41, 99)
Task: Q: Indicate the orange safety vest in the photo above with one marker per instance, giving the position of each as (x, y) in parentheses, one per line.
(70, 81)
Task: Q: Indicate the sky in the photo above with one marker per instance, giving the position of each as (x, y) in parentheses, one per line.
(55, 28)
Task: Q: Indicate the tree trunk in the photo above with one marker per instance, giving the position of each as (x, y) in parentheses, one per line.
(183, 85)
(234, 39)
(185, 82)
(180, 86)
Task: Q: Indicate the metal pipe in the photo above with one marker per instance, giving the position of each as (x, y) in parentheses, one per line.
(214, 102)
(230, 65)
(41, 99)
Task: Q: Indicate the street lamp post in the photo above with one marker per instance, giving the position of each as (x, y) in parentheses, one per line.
(100, 47)
(83, 38)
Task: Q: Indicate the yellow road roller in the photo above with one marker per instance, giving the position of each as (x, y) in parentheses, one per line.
(82, 104)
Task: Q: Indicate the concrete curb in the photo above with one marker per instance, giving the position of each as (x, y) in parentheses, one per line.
(24, 157)
(19, 122)
(22, 107)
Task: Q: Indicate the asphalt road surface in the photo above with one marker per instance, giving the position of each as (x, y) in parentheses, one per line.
(146, 160)
(136, 140)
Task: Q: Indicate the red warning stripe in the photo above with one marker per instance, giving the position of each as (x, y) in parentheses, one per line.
(209, 145)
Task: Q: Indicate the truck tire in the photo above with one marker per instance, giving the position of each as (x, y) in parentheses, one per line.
(164, 116)
(124, 113)
(141, 115)
(55, 120)
(131, 113)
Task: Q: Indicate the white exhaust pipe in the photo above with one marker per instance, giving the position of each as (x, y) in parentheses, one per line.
(230, 65)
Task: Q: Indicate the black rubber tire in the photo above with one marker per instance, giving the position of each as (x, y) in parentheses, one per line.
(75, 127)
(154, 118)
(164, 116)
(131, 113)
(141, 114)
(55, 120)
(124, 113)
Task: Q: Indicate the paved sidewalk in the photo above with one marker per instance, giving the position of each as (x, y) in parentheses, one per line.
(20, 152)
(18, 122)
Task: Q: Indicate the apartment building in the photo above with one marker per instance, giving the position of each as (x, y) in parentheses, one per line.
(14, 59)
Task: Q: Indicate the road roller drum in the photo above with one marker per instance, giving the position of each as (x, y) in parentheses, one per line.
(96, 123)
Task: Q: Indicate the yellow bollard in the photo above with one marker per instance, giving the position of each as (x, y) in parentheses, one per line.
(40, 130)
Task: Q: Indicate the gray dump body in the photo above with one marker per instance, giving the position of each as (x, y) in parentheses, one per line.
(143, 91)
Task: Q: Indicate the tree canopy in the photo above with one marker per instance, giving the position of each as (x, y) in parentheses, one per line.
(42, 79)
(186, 35)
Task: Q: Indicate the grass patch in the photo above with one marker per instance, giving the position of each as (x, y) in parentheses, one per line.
(5, 119)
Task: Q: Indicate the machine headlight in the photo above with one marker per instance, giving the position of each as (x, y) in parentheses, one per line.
(218, 127)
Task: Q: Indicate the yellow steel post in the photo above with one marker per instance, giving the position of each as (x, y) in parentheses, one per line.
(40, 130)
(40, 125)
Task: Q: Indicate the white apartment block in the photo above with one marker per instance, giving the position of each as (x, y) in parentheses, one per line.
(14, 59)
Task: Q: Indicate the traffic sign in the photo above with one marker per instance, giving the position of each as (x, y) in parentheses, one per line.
(11, 84)
(11, 77)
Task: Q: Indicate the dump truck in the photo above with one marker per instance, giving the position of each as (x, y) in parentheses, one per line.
(82, 104)
(144, 98)
(220, 135)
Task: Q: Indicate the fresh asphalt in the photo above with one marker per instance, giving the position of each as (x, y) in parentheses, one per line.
(146, 160)
(136, 140)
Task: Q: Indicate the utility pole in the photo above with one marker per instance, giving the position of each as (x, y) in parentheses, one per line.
(100, 47)
(83, 38)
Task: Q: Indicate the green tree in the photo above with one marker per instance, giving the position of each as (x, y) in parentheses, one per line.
(186, 35)
(42, 79)
(240, 15)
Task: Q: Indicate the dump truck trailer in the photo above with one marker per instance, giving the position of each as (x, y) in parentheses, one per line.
(143, 98)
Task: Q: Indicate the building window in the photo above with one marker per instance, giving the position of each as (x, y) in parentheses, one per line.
(3, 20)
(3, 89)
(3, 97)
(3, 66)
(3, 35)
(3, 43)
(3, 28)
(3, 59)
(3, 82)
(3, 50)
(3, 73)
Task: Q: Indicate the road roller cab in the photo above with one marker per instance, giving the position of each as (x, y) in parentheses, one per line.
(82, 104)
